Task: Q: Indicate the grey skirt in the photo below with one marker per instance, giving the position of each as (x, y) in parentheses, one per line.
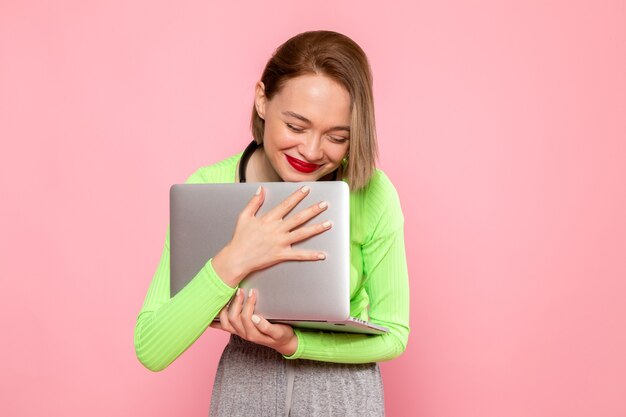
(253, 380)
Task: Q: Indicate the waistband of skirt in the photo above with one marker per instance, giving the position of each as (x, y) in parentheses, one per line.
(239, 342)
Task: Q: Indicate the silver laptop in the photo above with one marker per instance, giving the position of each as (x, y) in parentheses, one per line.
(310, 294)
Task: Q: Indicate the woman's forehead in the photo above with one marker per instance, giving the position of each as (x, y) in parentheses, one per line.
(316, 98)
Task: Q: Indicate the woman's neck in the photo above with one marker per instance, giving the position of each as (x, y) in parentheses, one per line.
(260, 169)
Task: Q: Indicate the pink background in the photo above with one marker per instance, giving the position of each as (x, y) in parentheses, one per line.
(503, 127)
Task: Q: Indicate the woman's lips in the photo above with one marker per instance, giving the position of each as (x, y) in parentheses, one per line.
(301, 165)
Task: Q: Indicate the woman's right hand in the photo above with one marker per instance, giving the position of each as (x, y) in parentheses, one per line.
(263, 241)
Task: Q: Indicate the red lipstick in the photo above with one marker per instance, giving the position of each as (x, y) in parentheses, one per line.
(301, 165)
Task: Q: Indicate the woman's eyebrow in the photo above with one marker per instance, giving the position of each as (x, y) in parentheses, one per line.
(305, 120)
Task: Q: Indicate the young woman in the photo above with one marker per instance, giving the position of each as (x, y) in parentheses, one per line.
(312, 119)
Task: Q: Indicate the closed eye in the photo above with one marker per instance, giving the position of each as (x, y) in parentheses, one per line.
(338, 140)
(294, 128)
(332, 138)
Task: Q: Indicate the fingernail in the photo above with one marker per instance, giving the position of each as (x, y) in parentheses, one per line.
(255, 319)
(326, 224)
(305, 189)
(323, 205)
(251, 292)
(238, 291)
(321, 256)
(258, 191)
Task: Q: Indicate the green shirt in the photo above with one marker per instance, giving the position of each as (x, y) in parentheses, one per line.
(379, 289)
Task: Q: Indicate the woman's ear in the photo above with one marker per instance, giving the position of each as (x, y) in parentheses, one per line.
(260, 99)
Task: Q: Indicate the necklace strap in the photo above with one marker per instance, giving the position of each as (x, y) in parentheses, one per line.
(243, 162)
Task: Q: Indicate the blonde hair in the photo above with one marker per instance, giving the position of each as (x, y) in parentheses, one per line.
(340, 58)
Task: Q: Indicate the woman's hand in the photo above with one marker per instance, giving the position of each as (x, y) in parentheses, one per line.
(238, 318)
(263, 241)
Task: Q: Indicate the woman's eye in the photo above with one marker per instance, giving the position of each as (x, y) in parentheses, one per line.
(295, 129)
(338, 140)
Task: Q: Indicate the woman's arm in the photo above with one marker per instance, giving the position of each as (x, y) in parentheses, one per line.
(386, 283)
(166, 326)
(388, 289)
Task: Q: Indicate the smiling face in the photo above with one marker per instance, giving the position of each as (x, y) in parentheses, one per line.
(307, 127)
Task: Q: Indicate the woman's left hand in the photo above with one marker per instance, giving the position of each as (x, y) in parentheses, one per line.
(238, 318)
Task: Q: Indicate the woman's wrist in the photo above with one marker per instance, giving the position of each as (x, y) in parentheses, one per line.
(290, 347)
(230, 269)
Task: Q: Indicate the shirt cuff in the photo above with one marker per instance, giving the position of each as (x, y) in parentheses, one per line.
(215, 280)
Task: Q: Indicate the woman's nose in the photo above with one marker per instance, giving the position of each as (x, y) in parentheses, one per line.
(311, 148)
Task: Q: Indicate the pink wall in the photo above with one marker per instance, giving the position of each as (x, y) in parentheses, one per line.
(502, 126)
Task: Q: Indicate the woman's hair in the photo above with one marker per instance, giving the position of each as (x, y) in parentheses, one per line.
(340, 58)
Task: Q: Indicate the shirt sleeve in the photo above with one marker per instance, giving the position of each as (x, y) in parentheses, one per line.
(166, 326)
(386, 283)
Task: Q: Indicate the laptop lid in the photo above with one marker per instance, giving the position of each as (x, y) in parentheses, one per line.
(202, 221)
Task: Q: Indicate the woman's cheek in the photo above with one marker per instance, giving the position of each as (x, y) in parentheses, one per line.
(338, 152)
(288, 138)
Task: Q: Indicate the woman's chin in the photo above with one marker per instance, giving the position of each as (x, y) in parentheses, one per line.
(292, 175)
(299, 178)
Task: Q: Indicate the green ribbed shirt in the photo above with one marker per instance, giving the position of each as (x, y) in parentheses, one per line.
(379, 289)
